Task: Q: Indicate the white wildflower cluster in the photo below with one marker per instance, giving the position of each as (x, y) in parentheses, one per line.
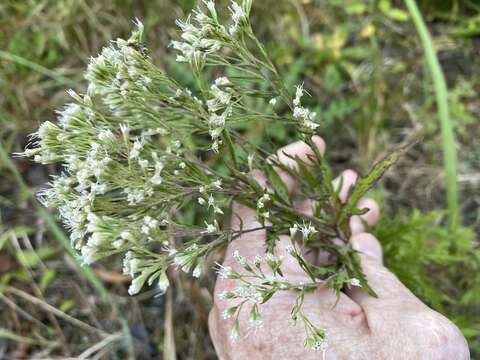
(262, 209)
(150, 166)
(238, 15)
(219, 108)
(197, 43)
(302, 114)
(316, 338)
(141, 269)
(189, 260)
(260, 278)
(320, 345)
(119, 70)
(207, 199)
(121, 159)
(202, 34)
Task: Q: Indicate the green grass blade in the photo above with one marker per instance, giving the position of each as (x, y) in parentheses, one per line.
(441, 96)
(9, 335)
(38, 68)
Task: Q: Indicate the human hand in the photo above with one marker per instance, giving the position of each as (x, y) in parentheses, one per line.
(396, 325)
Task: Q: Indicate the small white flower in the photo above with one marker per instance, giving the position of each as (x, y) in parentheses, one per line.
(201, 201)
(217, 184)
(248, 292)
(320, 346)
(215, 146)
(125, 235)
(225, 272)
(307, 230)
(226, 314)
(145, 229)
(135, 286)
(298, 95)
(143, 163)
(163, 284)
(261, 202)
(273, 101)
(239, 258)
(211, 228)
(216, 120)
(211, 7)
(156, 179)
(211, 201)
(117, 244)
(222, 81)
(355, 282)
(105, 135)
(237, 15)
(88, 254)
(255, 324)
(125, 129)
(197, 271)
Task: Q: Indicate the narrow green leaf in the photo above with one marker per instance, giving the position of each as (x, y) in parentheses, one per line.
(277, 184)
(367, 182)
(441, 97)
(47, 277)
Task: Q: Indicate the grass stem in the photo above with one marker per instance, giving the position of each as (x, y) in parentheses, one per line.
(441, 96)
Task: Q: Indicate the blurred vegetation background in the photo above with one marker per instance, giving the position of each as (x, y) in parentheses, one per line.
(364, 65)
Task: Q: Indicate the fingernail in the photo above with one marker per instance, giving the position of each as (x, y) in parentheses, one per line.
(367, 244)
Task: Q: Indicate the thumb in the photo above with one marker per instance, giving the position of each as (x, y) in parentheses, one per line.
(386, 285)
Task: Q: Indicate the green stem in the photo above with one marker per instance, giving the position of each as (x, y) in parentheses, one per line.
(441, 96)
(231, 148)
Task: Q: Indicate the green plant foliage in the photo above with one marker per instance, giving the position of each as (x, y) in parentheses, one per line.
(441, 267)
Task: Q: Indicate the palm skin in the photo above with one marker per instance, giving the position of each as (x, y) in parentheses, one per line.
(396, 325)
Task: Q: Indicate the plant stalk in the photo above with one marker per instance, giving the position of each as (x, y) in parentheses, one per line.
(441, 96)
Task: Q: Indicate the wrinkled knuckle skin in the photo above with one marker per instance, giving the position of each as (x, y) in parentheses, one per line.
(447, 341)
(437, 338)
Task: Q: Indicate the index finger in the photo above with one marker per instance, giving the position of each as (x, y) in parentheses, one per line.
(253, 243)
(287, 155)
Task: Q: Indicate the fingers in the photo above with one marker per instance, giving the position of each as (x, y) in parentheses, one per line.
(344, 183)
(243, 217)
(370, 218)
(249, 244)
(287, 155)
(357, 223)
(367, 244)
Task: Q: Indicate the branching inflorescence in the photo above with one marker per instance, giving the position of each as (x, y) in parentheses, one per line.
(139, 151)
